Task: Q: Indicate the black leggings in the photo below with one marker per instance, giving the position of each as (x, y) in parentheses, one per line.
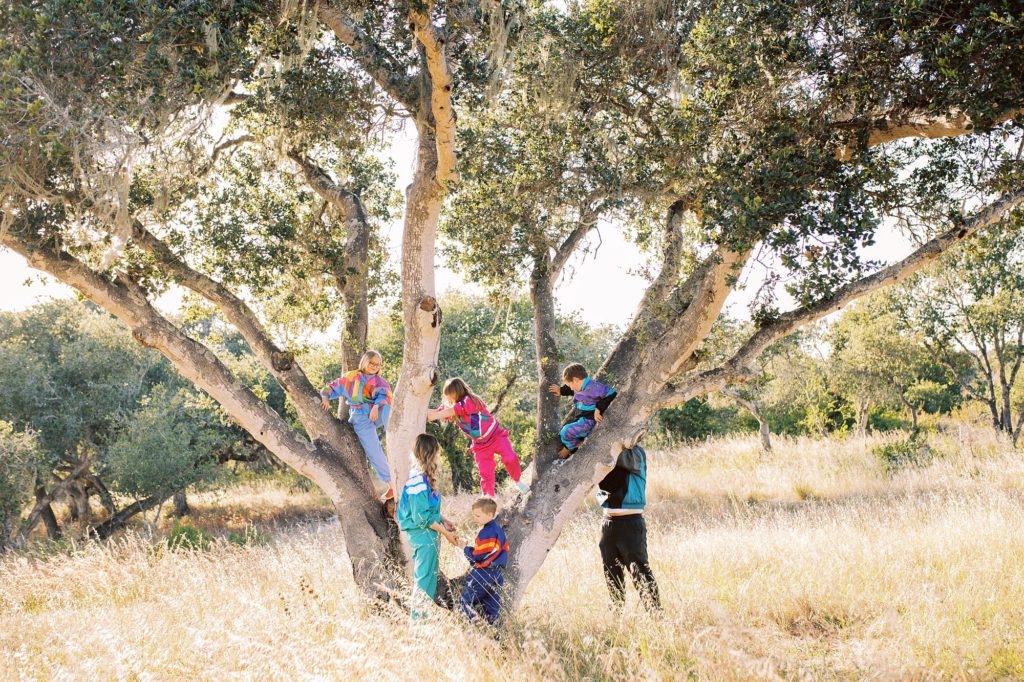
(624, 545)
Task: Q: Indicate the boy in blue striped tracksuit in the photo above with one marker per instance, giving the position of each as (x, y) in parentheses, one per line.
(590, 401)
(623, 495)
(487, 557)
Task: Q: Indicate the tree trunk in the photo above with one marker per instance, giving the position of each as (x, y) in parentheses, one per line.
(766, 436)
(45, 513)
(545, 344)
(78, 494)
(181, 507)
(119, 519)
(863, 414)
(1006, 416)
(751, 406)
(420, 310)
(534, 528)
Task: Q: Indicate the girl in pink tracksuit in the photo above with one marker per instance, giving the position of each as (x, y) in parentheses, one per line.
(486, 436)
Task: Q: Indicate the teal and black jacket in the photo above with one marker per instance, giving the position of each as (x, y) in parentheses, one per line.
(625, 486)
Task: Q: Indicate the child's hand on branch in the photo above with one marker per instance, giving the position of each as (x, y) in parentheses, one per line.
(554, 389)
(597, 415)
(325, 403)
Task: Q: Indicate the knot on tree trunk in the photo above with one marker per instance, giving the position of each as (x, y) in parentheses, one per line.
(282, 360)
(435, 376)
(428, 304)
(142, 334)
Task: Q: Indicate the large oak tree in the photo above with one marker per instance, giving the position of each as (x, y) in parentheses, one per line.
(769, 132)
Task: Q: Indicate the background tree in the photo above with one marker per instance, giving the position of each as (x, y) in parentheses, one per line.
(20, 460)
(972, 307)
(877, 360)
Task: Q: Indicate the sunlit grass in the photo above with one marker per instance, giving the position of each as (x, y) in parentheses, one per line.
(808, 562)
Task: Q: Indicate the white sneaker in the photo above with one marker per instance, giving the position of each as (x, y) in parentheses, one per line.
(522, 487)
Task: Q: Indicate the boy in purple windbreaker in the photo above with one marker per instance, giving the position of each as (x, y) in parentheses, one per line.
(590, 401)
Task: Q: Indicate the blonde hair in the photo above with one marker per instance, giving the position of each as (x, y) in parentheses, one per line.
(458, 389)
(486, 504)
(426, 452)
(365, 360)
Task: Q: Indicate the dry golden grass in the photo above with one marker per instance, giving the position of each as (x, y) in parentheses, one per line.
(808, 563)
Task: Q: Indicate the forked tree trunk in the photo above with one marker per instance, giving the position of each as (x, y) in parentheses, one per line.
(751, 406)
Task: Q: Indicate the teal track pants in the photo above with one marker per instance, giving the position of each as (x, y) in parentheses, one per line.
(425, 550)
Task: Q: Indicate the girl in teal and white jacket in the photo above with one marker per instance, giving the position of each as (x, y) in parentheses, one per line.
(419, 515)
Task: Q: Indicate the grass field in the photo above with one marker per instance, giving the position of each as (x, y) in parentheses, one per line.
(812, 562)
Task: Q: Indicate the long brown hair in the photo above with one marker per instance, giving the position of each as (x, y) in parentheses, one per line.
(458, 389)
(426, 451)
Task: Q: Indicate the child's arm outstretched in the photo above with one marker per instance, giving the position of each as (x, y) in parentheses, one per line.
(440, 413)
(335, 389)
(562, 390)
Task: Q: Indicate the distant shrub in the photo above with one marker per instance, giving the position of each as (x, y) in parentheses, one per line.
(248, 536)
(184, 536)
(908, 452)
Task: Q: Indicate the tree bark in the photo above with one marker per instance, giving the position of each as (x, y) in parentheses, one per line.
(420, 310)
(45, 513)
(545, 346)
(434, 172)
(180, 501)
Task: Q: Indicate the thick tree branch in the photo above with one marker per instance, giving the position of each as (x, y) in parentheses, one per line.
(569, 245)
(351, 272)
(375, 60)
(737, 368)
(195, 362)
(279, 363)
(344, 202)
(440, 97)
(915, 123)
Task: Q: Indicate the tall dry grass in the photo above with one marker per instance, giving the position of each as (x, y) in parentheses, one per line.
(811, 562)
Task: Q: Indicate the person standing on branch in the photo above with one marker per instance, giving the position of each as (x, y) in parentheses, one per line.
(369, 406)
(590, 401)
(487, 438)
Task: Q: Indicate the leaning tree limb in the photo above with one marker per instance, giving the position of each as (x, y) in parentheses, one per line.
(737, 368)
(339, 472)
